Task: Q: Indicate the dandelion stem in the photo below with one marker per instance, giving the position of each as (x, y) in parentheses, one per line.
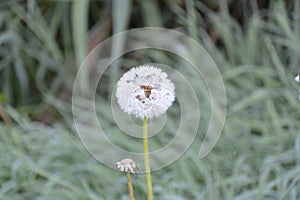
(146, 159)
(130, 188)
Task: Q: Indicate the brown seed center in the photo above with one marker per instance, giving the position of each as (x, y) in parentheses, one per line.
(147, 90)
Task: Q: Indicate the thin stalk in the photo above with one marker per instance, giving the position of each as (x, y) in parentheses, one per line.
(146, 159)
(130, 188)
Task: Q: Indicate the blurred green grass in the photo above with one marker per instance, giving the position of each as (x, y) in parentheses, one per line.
(257, 156)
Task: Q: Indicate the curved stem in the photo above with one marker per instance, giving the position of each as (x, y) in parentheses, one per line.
(130, 188)
(146, 159)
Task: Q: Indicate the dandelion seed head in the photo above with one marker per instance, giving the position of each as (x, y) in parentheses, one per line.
(126, 165)
(145, 91)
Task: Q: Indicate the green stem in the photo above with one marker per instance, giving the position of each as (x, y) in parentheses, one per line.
(130, 188)
(146, 159)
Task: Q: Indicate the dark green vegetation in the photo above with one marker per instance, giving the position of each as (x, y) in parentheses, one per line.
(257, 51)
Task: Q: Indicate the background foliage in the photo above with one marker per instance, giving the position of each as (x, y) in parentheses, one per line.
(254, 43)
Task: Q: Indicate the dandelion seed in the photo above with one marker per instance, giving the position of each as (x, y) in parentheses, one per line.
(297, 79)
(145, 91)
